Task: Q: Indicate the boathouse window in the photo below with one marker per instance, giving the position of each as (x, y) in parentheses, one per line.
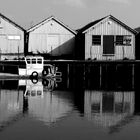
(127, 40)
(124, 40)
(13, 37)
(119, 40)
(96, 40)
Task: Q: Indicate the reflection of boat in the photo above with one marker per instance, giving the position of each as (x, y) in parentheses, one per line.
(45, 104)
(35, 87)
(33, 90)
(108, 108)
(35, 67)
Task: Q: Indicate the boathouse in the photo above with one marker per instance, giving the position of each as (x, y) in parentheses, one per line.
(106, 39)
(11, 39)
(51, 38)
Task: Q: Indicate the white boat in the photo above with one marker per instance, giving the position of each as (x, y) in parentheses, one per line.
(35, 67)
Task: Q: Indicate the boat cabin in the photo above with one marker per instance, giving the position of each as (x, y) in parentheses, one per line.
(34, 66)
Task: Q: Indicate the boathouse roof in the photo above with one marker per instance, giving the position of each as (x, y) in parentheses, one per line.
(12, 22)
(48, 19)
(92, 24)
(138, 29)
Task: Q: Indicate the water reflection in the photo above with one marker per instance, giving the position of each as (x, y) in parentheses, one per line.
(38, 100)
(11, 106)
(108, 109)
(44, 104)
(90, 101)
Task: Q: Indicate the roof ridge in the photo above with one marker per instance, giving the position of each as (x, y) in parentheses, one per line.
(57, 20)
(86, 27)
(4, 17)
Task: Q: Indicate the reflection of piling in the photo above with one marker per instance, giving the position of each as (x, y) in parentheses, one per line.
(68, 69)
(25, 104)
(0, 54)
(3, 68)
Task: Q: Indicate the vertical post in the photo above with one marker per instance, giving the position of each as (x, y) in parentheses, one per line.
(68, 75)
(84, 71)
(68, 67)
(133, 75)
(0, 54)
(2, 68)
(51, 52)
(100, 75)
(123, 51)
(18, 52)
(88, 79)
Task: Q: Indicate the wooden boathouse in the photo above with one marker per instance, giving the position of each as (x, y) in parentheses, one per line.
(11, 39)
(106, 39)
(51, 38)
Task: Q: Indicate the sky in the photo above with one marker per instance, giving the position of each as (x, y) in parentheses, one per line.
(74, 13)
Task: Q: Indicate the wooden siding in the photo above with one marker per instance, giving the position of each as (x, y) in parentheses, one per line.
(10, 48)
(51, 38)
(104, 28)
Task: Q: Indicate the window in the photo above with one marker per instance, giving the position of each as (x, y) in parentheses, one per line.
(127, 40)
(39, 92)
(124, 40)
(39, 61)
(96, 40)
(119, 40)
(28, 93)
(33, 92)
(13, 37)
(28, 61)
(33, 61)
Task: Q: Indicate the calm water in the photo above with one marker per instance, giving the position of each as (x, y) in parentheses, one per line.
(83, 108)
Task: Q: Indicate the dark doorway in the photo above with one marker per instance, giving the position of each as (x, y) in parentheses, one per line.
(108, 45)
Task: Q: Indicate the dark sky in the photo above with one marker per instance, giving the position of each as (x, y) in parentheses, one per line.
(74, 13)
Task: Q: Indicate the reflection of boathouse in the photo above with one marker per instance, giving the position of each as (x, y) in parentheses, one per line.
(108, 108)
(40, 103)
(43, 103)
(50, 108)
(11, 106)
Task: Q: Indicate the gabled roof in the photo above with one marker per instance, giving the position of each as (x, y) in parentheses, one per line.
(48, 19)
(12, 22)
(92, 24)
